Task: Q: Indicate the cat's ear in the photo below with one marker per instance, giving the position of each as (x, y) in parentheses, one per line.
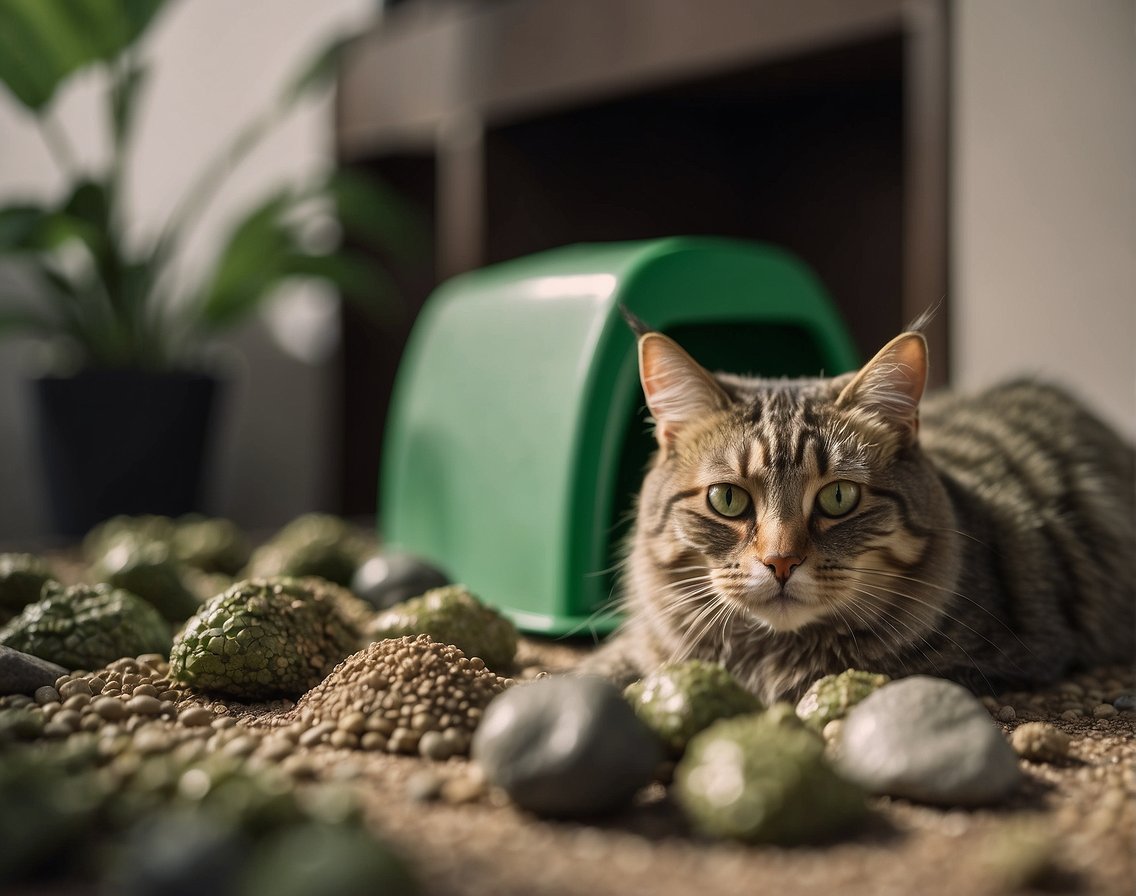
(892, 383)
(678, 390)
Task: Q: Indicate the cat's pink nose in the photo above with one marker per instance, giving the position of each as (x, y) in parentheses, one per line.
(782, 565)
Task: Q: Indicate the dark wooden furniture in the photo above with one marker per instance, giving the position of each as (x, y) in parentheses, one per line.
(518, 125)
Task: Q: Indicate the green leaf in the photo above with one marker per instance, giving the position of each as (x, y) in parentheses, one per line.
(318, 73)
(21, 226)
(253, 261)
(43, 42)
(122, 102)
(27, 321)
(89, 202)
(379, 218)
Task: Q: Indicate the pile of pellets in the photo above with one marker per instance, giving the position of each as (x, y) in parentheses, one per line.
(402, 695)
(408, 695)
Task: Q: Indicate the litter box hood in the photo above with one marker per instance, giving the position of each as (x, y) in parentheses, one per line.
(517, 435)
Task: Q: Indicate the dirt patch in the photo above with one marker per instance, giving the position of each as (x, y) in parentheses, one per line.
(1071, 827)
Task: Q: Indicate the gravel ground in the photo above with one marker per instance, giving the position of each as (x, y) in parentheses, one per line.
(1070, 829)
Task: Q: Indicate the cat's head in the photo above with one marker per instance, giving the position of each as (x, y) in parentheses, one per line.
(798, 501)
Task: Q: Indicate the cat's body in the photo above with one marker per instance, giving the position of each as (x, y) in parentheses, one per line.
(792, 529)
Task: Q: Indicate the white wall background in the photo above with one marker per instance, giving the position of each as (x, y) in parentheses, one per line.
(1044, 196)
(1044, 226)
(215, 64)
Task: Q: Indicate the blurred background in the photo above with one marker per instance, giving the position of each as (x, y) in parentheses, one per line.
(972, 155)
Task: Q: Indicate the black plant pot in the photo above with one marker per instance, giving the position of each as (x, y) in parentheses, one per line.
(122, 442)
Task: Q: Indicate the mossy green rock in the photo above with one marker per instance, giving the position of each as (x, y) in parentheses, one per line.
(315, 544)
(22, 577)
(452, 615)
(210, 544)
(266, 638)
(758, 780)
(149, 570)
(679, 700)
(830, 698)
(130, 530)
(85, 627)
(324, 858)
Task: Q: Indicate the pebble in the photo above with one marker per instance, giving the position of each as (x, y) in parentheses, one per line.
(144, 705)
(242, 745)
(390, 578)
(1104, 711)
(434, 746)
(275, 748)
(196, 717)
(928, 740)
(423, 786)
(316, 734)
(109, 708)
(566, 746)
(1007, 714)
(22, 673)
(466, 788)
(74, 686)
(152, 739)
(1125, 703)
(46, 694)
(1040, 742)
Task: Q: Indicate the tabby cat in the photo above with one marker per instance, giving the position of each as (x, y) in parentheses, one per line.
(795, 528)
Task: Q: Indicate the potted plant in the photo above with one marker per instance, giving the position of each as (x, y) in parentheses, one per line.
(123, 423)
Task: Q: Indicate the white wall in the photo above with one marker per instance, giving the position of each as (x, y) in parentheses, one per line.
(216, 63)
(1044, 192)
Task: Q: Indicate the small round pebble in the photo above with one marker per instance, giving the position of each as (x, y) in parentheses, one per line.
(1125, 703)
(1007, 714)
(1040, 742)
(110, 709)
(1104, 711)
(196, 716)
(144, 706)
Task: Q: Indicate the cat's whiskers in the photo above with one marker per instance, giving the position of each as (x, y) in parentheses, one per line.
(928, 584)
(937, 610)
(937, 630)
(914, 635)
(696, 591)
(713, 613)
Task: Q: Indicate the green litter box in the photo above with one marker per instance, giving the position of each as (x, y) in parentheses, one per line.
(517, 436)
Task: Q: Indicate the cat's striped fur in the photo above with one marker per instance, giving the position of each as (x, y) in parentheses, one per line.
(993, 542)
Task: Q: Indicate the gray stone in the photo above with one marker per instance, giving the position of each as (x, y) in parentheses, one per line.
(928, 740)
(22, 673)
(1125, 702)
(565, 747)
(389, 578)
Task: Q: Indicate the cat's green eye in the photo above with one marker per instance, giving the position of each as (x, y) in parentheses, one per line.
(728, 500)
(838, 498)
